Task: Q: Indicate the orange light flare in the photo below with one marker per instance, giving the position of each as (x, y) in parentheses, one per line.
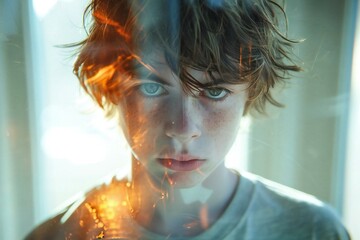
(120, 82)
(147, 66)
(138, 139)
(119, 68)
(101, 235)
(163, 179)
(200, 172)
(94, 213)
(119, 29)
(154, 188)
(102, 76)
(171, 182)
(240, 58)
(115, 80)
(107, 208)
(204, 220)
(250, 49)
(161, 199)
(114, 206)
(166, 177)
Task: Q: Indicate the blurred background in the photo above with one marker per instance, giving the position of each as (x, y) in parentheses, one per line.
(54, 142)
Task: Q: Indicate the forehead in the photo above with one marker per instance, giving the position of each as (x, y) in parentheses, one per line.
(155, 63)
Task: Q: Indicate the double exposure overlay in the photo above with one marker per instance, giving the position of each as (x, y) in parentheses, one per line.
(179, 78)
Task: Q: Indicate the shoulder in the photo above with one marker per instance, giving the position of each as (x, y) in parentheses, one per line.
(47, 230)
(287, 209)
(89, 215)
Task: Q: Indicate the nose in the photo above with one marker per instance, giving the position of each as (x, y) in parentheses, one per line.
(184, 121)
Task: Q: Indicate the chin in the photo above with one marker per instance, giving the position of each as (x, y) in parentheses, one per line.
(179, 180)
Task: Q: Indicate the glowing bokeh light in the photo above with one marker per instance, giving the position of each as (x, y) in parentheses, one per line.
(43, 7)
(73, 145)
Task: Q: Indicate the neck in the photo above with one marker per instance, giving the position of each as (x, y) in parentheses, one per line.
(182, 211)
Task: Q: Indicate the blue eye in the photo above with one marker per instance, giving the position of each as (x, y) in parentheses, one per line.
(215, 93)
(152, 89)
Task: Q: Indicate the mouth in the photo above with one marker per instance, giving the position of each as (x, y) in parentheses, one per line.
(181, 164)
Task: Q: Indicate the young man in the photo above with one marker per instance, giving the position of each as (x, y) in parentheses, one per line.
(179, 76)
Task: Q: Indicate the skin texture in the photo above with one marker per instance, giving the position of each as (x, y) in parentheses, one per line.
(169, 123)
(165, 126)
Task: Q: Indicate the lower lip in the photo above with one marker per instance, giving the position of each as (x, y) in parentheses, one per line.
(181, 166)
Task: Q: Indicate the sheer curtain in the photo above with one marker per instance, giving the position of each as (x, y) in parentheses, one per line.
(15, 152)
(73, 145)
(54, 141)
(352, 187)
(304, 144)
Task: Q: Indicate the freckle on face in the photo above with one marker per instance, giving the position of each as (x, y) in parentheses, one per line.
(146, 120)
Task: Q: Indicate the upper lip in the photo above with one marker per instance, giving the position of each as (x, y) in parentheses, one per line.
(181, 157)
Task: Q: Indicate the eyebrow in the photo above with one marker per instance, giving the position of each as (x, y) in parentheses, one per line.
(215, 82)
(156, 78)
(153, 77)
(145, 73)
(148, 75)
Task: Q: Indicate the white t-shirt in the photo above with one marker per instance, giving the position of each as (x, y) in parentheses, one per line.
(260, 209)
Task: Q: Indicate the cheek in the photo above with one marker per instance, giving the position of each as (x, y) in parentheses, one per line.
(222, 121)
(214, 120)
(221, 126)
(141, 123)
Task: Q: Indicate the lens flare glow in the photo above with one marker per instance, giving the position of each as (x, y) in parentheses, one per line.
(73, 145)
(43, 7)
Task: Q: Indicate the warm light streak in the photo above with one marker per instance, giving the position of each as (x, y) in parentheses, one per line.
(200, 172)
(250, 49)
(101, 235)
(119, 29)
(111, 210)
(204, 218)
(102, 76)
(138, 139)
(240, 59)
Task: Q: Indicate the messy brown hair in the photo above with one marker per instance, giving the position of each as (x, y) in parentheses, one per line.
(240, 40)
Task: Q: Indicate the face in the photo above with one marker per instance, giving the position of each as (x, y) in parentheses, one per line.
(180, 138)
